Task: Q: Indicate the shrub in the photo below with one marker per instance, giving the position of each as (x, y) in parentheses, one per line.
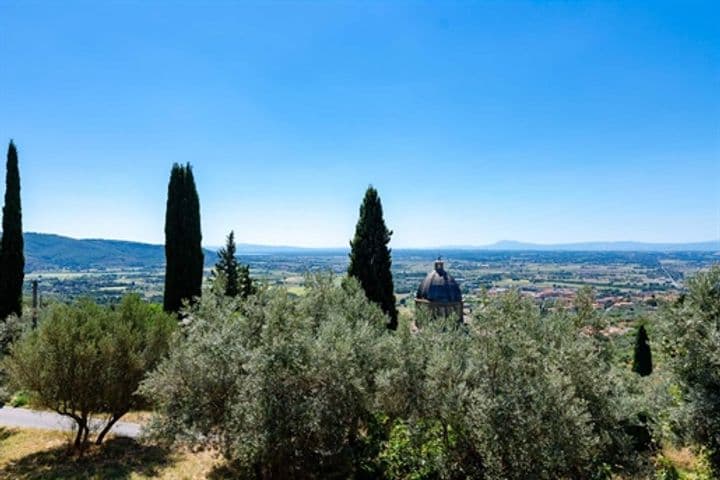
(516, 394)
(693, 343)
(11, 329)
(315, 387)
(19, 399)
(84, 359)
(284, 386)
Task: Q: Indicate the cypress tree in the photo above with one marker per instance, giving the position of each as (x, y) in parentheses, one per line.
(228, 265)
(370, 258)
(642, 361)
(12, 258)
(245, 283)
(183, 240)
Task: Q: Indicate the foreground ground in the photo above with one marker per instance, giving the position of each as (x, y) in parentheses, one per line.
(27, 454)
(34, 454)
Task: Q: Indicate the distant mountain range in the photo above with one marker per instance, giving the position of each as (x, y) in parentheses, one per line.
(45, 252)
(510, 245)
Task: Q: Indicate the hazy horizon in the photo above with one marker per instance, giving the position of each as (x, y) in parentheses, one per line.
(536, 122)
(401, 247)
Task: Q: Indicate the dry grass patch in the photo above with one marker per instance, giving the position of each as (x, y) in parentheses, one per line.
(681, 458)
(29, 454)
(141, 417)
(689, 464)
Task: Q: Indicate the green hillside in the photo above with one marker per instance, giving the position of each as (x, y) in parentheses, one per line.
(53, 252)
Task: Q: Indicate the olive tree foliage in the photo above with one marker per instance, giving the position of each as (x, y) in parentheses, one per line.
(692, 341)
(284, 386)
(11, 330)
(512, 395)
(316, 387)
(426, 390)
(86, 361)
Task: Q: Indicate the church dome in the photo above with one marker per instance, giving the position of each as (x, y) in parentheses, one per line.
(439, 287)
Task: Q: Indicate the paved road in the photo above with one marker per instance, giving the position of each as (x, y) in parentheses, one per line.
(22, 417)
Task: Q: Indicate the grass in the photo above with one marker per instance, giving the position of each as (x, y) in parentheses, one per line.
(20, 399)
(29, 454)
(687, 463)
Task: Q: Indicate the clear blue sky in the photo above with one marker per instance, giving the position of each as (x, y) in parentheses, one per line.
(476, 121)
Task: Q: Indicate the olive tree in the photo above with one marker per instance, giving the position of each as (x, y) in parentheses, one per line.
(513, 394)
(548, 394)
(692, 340)
(85, 360)
(284, 386)
(316, 387)
(10, 331)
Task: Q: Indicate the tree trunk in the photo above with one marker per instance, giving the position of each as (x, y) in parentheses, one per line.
(83, 443)
(82, 434)
(78, 437)
(113, 419)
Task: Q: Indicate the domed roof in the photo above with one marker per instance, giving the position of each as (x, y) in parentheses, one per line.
(439, 287)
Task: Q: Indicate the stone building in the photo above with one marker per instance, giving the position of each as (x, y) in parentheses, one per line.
(440, 293)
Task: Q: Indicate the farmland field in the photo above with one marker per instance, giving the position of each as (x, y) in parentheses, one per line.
(621, 280)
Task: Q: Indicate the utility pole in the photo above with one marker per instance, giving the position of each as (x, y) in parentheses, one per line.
(34, 303)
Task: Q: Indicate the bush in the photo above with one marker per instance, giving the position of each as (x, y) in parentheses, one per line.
(692, 341)
(19, 399)
(11, 329)
(284, 387)
(84, 359)
(316, 387)
(516, 395)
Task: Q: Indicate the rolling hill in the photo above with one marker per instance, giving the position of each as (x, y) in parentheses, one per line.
(49, 252)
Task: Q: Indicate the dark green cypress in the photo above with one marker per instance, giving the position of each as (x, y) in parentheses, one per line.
(172, 240)
(228, 265)
(370, 257)
(195, 256)
(245, 282)
(183, 240)
(642, 361)
(12, 257)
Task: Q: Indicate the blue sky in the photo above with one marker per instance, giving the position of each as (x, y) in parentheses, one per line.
(477, 121)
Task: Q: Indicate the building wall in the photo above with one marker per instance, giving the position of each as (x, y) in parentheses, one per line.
(441, 309)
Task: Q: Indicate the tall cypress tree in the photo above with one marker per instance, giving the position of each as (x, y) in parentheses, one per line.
(246, 285)
(642, 361)
(227, 264)
(370, 258)
(12, 257)
(183, 240)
